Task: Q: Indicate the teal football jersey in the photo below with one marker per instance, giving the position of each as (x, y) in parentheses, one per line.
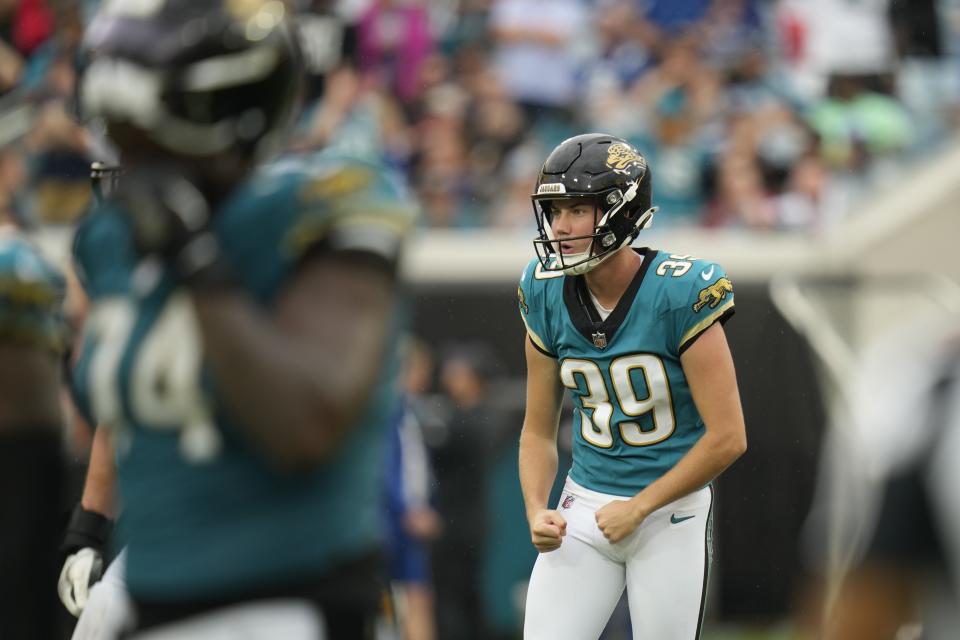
(634, 416)
(32, 291)
(204, 513)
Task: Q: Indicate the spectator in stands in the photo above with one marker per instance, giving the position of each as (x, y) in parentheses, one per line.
(621, 59)
(394, 41)
(495, 126)
(732, 30)
(535, 53)
(11, 67)
(855, 123)
(440, 173)
(61, 171)
(677, 99)
(25, 24)
(928, 78)
(512, 209)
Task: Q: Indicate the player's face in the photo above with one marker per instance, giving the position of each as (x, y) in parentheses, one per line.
(573, 218)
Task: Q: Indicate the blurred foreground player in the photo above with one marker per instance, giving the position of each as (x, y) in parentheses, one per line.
(240, 339)
(32, 338)
(904, 464)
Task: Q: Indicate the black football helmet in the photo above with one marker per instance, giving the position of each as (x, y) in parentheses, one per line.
(192, 78)
(615, 176)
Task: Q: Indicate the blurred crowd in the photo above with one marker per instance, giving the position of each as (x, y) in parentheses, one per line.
(755, 114)
(776, 114)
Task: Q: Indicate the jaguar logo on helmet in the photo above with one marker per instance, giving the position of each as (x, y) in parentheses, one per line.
(620, 156)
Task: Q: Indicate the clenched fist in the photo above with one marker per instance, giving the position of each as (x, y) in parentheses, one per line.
(547, 529)
(618, 519)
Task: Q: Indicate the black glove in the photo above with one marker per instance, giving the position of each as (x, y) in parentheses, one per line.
(171, 219)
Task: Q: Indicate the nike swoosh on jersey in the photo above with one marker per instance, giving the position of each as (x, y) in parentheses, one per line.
(706, 275)
(675, 520)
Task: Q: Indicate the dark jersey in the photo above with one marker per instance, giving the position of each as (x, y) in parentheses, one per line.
(204, 514)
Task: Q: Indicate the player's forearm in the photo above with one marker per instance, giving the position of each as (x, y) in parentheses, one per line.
(99, 487)
(538, 470)
(706, 460)
(298, 400)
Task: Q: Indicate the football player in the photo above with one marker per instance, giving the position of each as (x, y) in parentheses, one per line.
(32, 339)
(636, 337)
(102, 606)
(240, 339)
(892, 481)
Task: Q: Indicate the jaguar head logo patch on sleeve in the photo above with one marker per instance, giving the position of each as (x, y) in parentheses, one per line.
(523, 300)
(713, 295)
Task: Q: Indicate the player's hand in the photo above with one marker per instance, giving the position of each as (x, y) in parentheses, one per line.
(618, 519)
(547, 530)
(80, 570)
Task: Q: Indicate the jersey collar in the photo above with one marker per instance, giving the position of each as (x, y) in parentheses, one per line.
(582, 312)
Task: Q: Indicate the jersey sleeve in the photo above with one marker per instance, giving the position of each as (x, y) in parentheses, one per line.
(354, 207)
(531, 299)
(704, 296)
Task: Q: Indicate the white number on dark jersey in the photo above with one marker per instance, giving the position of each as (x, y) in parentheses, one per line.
(596, 429)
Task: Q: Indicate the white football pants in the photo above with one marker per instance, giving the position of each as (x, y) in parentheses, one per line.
(663, 565)
(259, 620)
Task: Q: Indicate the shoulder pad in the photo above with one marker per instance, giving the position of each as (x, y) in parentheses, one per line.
(353, 205)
